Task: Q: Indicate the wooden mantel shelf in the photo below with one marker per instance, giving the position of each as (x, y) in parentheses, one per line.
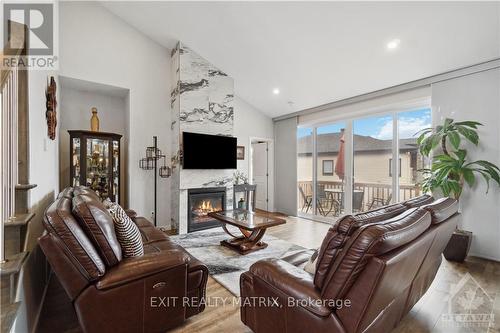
(19, 220)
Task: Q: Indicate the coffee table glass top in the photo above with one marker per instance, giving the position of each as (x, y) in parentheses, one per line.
(246, 219)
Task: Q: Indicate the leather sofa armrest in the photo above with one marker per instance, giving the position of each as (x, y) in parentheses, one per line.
(292, 281)
(135, 268)
(131, 213)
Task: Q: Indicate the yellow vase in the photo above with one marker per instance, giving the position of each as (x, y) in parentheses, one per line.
(94, 121)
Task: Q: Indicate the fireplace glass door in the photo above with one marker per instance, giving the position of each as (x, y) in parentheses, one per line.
(201, 203)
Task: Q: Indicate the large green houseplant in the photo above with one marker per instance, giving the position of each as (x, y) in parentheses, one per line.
(451, 170)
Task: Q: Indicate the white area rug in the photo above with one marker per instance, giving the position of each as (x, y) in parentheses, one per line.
(226, 265)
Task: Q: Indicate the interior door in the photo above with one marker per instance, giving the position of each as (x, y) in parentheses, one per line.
(260, 174)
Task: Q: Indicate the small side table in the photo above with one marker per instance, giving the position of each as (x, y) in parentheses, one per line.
(249, 191)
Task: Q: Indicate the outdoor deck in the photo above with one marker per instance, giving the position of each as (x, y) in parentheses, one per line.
(378, 194)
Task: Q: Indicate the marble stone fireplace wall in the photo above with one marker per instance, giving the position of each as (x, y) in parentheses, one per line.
(202, 102)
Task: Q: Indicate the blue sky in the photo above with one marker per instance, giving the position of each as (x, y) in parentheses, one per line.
(380, 127)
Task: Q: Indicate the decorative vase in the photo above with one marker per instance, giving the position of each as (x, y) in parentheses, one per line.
(458, 246)
(241, 203)
(94, 121)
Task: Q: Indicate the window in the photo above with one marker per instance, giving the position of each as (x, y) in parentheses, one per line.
(390, 167)
(372, 147)
(347, 166)
(409, 123)
(305, 169)
(327, 167)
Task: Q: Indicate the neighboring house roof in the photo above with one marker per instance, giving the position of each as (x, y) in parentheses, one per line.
(330, 143)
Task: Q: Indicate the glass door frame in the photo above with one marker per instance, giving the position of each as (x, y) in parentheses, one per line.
(349, 154)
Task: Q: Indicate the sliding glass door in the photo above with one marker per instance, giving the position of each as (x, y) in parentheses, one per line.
(321, 170)
(372, 149)
(305, 153)
(410, 159)
(330, 170)
(359, 164)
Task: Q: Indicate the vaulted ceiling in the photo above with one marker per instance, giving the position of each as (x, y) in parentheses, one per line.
(319, 52)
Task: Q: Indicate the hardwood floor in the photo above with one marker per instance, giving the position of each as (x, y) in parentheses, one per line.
(58, 315)
(226, 318)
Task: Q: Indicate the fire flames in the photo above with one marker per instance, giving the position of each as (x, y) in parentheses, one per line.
(204, 208)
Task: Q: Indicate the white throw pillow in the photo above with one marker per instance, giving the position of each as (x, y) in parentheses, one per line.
(310, 266)
(127, 232)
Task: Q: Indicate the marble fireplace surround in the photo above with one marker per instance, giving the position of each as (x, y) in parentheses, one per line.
(201, 102)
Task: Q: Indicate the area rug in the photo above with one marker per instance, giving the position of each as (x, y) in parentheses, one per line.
(226, 265)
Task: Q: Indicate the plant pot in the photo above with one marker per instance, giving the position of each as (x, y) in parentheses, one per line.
(458, 246)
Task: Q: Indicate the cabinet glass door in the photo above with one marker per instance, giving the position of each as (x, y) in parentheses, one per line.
(75, 160)
(97, 165)
(116, 172)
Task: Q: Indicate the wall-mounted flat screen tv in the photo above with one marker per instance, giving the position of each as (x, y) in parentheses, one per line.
(202, 151)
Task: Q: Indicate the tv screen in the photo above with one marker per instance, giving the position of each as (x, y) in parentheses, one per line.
(202, 151)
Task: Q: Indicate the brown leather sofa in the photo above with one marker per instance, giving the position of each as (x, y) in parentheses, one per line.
(151, 293)
(372, 268)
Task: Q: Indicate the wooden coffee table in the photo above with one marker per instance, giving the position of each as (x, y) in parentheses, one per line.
(252, 226)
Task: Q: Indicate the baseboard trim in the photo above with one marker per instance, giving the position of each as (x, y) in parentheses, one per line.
(482, 256)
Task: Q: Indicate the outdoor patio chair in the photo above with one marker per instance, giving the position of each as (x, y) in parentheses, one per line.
(306, 198)
(378, 202)
(357, 201)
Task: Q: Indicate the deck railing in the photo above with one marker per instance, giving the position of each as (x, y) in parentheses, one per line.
(381, 192)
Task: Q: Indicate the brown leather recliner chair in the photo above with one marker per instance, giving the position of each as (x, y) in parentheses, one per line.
(371, 269)
(151, 293)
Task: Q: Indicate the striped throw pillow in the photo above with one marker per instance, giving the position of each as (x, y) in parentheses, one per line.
(310, 266)
(127, 233)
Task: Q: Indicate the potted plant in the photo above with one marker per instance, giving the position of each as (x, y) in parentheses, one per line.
(451, 171)
(239, 178)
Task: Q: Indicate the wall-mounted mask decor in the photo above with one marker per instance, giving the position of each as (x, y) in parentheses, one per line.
(51, 105)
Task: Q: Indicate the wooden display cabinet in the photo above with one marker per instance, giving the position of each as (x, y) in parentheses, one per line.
(97, 165)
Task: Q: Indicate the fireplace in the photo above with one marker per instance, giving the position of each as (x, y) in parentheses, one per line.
(202, 201)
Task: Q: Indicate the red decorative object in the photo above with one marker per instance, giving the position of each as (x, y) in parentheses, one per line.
(51, 105)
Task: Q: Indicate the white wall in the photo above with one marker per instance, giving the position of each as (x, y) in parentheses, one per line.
(476, 97)
(97, 46)
(250, 123)
(113, 113)
(44, 168)
(285, 161)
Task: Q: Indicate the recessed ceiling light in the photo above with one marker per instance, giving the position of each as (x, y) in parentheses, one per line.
(276, 91)
(393, 44)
